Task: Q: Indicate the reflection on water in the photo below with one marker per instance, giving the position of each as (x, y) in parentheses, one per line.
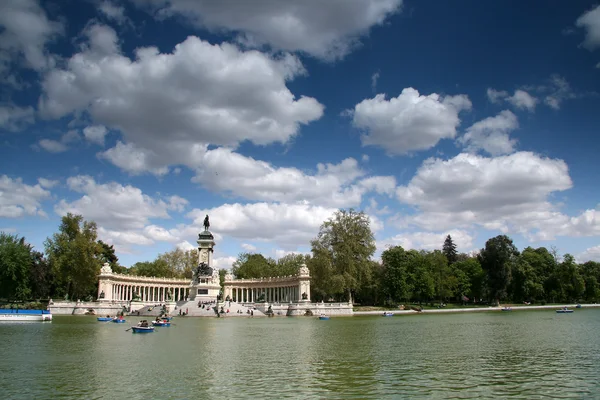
(483, 355)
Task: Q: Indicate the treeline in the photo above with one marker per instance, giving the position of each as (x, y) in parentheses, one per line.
(70, 264)
(342, 269)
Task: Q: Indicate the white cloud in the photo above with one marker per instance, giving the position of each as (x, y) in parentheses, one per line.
(507, 193)
(185, 246)
(52, 146)
(18, 199)
(113, 11)
(428, 240)
(522, 99)
(114, 206)
(591, 254)
(496, 96)
(590, 21)
(170, 106)
(374, 79)
(14, 118)
(26, 32)
(47, 183)
(333, 185)
(282, 253)
(135, 160)
(223, 262)
(408, 122)
(560, 90)
(95, 134)
(289, 226)
(327, 30)
(248, 247)
(491, 134)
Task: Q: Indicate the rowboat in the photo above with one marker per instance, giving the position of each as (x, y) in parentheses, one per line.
(104, 319)
(324, 317)
(118, 320)
(161, 323)
(15, 315)
(142, 329)
(564, 310)
(388, 314)
(507, 309)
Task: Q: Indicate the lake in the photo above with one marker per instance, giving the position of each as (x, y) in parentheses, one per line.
(524, 354)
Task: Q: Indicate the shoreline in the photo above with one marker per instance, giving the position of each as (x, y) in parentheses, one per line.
(478, 309)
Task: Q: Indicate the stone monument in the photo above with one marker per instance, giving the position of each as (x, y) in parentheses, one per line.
(205, 285)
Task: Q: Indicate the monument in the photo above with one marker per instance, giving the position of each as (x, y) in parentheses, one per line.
(205, 285)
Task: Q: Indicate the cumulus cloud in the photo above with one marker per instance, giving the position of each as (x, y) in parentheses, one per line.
(114, 206)
(170, 106)
(520, 99)
(491, 134)
(95, 134)
(52, 146)
(408, 122)
(559, 91)
(591, 254)
(18, 199)
(590, 22)
(428, 240)
(248, 247)
(326, 30)
(113, 11)
(333, 185)
(47, 183)
(26, 31)
(507, 193)
(57, 146)
(13, 118)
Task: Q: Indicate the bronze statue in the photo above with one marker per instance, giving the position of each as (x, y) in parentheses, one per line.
(206, 223)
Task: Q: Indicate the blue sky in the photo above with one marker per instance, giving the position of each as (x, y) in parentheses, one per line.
(470, 118)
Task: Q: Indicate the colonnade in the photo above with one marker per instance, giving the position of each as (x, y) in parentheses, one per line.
(117, 287)
(280, 294)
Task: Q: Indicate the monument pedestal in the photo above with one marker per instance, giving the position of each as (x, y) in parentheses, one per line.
(205, 285)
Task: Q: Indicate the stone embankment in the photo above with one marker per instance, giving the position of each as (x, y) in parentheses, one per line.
(474, 309)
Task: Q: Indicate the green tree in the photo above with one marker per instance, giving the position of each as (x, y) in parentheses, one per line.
(251, 265)
(40, 276)
(180, 262)
(449, 250)
(290, 264)
(346, 243)
(497, 259)
(73, 254)
(108, 255)
(157, 268)
(15, 262)
(444, 280)
(472, 278)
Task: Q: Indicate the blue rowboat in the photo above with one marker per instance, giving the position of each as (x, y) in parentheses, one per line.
(118, 321)
(564, 310)
(324, 317)
(388, 314)
(161, 323)
(104, 319)
(142, 329)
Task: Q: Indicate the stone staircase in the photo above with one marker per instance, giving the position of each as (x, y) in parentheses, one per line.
(194, 310)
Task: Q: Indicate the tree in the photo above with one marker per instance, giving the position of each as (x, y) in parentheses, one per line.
(74, 256)
(472, 278)
(157, 268)
(15, 261)
(290, 264)
(345, 244)
(449, 250)
(251, 265)
(108, 255)
(497, 259)
(180, 262)
(40, 276)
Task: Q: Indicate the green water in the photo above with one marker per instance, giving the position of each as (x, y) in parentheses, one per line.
(525, 354)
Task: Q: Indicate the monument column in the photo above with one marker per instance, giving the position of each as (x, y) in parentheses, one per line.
(205, 285)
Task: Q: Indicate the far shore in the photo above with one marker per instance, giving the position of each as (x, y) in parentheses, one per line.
(475, 309)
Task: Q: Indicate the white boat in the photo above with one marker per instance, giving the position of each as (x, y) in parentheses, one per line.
(14, 315)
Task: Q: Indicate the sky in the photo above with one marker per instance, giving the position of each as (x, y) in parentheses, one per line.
(466, 118)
